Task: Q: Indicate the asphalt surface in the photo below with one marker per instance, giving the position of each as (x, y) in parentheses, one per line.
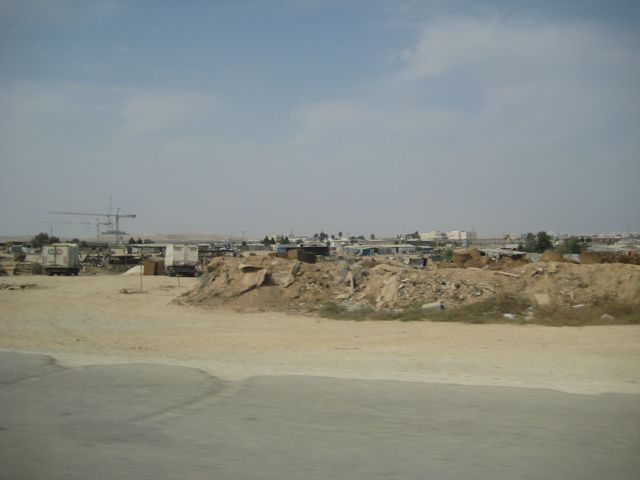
(139, 421)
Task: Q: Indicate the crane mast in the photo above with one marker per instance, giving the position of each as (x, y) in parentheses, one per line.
(111, 219)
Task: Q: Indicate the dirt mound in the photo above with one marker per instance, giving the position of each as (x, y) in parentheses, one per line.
(568, 284)
(590, 258)
(507, 263)
(552, 255)
(470, 259)
(473, 258)
(269, 283)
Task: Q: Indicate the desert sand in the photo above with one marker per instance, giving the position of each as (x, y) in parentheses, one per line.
(87, 320)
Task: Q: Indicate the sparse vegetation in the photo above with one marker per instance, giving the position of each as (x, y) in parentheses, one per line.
(574, 245)
(538, 243)
(546, 293)
(493, 309)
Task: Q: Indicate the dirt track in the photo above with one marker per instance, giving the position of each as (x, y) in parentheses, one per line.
(83, 320)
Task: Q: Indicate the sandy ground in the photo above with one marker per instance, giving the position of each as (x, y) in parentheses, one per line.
(86, 320)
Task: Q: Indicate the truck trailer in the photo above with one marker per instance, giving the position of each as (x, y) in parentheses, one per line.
(61, 259)
(181, 260)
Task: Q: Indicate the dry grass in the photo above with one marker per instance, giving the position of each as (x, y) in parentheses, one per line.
(493, 310)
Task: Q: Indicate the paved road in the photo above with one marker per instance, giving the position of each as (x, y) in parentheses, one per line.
(142, 421)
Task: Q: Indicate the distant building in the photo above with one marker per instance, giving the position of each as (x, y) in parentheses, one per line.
(339, 243)
(391, 249)
(256, 247)
(359, 250)
(433, 236)
(461, 235)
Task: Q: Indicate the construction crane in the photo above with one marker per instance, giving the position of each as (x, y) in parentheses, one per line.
(109, 216)
(51, 224)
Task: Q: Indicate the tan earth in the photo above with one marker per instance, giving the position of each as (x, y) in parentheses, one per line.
(87, 320)
(383, 285)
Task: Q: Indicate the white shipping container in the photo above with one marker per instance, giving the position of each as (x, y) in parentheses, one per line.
(181, 255)
(181, 259)
(60, 258)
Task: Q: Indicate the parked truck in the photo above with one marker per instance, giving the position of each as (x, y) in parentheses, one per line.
(61, 259)
(181, 260)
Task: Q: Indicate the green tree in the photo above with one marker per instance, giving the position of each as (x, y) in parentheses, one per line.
(539, 242)
(447, 255)
(42, 239)
(323, 236)
(339, 234)
(282, 240)
(372, 236)
(529, 244)
(543, 242)
(573, 245)
(266, 240)
(132, 241)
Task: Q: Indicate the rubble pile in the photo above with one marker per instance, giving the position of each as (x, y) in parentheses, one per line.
(471, 258)
(631, 258)
(7, 264)
(270, 283)
(27, 268)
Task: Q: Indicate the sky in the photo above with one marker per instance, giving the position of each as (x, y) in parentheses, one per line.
(373, 116)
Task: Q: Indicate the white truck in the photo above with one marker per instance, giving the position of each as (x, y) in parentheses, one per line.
(60, 259)
(181, 260)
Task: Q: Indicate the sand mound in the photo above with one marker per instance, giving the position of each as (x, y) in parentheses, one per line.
(590, 258)
(137, 270)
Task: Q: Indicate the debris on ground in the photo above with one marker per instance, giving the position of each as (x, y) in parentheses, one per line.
(128, 291)
(272, 283)
(17, 286)
(589, 258)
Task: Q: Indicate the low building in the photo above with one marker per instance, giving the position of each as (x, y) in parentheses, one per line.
(392, 249)
(433, 236)
(461, 235)
(257, 247)
(359, 250)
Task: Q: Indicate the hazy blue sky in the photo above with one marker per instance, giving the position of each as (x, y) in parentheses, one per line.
(362, 116)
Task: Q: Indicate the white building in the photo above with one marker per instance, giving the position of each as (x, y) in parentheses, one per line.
(433, 235)
(461, 235)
